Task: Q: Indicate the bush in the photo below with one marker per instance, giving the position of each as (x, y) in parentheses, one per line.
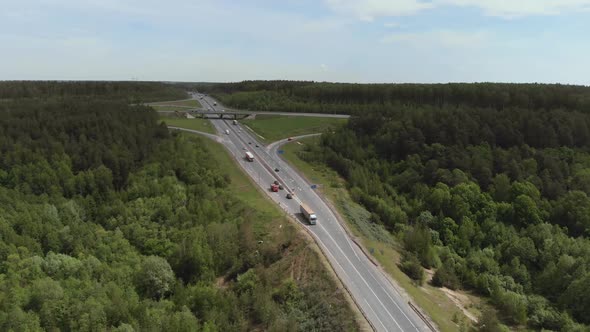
(446, 277)
(512, 305)
(410, 265)
(489, 322)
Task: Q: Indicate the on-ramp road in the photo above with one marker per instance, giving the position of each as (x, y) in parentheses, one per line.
(383, 306)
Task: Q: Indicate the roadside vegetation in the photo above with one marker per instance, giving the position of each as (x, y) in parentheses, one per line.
(110, 222)
(482, 187)
(276, 127)
(380, 243)
(181, 103)
(194, 124)
(169, 108)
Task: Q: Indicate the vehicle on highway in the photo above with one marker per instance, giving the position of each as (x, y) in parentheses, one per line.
(308, 213)
(214, 103)
(249, 156)
(276, 169)
(256, 145)
(276, 182)
(227, 132)
(249, 142)
(274, 187)
(289, 196)
(281, 187)
(235, 122)
(290, 139)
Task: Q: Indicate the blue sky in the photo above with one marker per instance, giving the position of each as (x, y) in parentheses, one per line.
(324, 40)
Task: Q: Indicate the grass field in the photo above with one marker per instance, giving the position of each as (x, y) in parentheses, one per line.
(168, 108)
(382, 246)
(276, 127)
(186, 102)
(195, 124)
(301, 260)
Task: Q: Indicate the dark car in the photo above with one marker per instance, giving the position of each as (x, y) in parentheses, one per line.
(276, 169)
(281, 187)
(289, 196)
(276, 182)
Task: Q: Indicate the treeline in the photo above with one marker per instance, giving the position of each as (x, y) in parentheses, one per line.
(130, 91)
(304, 96)
(497, 200)
(45, 143)
(108, 222)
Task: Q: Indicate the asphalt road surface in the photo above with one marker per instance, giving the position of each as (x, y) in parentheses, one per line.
(383, 306)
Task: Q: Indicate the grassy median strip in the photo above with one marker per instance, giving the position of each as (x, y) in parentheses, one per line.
(276, 127)
(169, 108)
(378, 241)
(194, 124)
(187, 102)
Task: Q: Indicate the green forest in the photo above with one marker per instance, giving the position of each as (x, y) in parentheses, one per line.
(109, 222)
(129, 91)
(489, 184)
(346, 98)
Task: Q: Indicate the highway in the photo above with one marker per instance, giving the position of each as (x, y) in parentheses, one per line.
(385, 308)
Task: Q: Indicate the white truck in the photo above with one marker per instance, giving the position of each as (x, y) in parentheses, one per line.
(227, 131)
(249, 156)
(308, 213)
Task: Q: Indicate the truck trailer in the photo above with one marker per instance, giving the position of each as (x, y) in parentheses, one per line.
(249, 156)
(308, 213)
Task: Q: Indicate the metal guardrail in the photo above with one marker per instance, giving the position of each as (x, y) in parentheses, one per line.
(432, 328)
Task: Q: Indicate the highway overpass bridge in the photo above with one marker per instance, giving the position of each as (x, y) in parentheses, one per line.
(213, 115)
(221, 115)
(236, 115)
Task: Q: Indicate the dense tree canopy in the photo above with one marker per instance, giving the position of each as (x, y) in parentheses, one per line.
(132, 91)
(305, 96)
(108, 222)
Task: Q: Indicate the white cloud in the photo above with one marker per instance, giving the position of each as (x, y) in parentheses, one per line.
(446, 38)
(518, 8)
(368, 10)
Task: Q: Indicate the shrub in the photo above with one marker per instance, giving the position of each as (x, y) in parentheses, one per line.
(410, 265)
(446, 277)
